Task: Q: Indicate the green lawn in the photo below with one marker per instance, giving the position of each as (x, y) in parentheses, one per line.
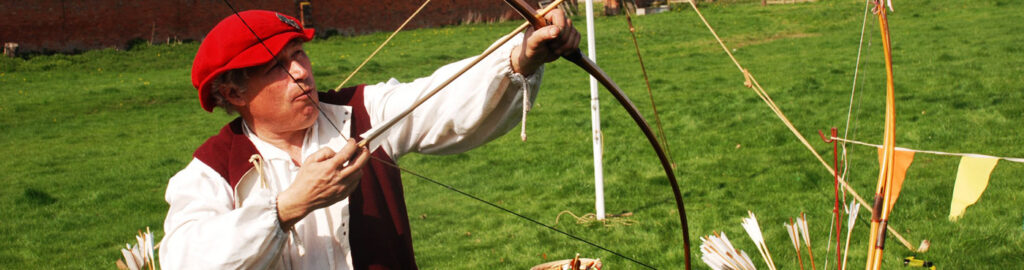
(90, 140)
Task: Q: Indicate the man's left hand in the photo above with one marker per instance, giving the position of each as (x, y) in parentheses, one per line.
(545, 44)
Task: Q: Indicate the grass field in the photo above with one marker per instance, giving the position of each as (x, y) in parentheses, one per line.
(89, 140)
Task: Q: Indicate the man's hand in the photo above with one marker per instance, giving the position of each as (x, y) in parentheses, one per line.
(545, 44)
(321, 182)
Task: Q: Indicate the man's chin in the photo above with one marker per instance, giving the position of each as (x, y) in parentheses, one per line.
(309, 116)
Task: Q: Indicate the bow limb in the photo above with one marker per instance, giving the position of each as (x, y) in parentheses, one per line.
(591, 68)
(884, 192)
(576, 57)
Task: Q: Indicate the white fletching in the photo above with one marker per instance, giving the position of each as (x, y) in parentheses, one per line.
(140, 255)
(753, 229)
(719, 254)
(724, 239)
(711, 256)
(793, 231)
(802, 222)
(854, 208)
(850, 221)
(747, 260)
(129, 259)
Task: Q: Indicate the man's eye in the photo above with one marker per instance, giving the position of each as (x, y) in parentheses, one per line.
(264, 69)
(271, 67)
(283, 63)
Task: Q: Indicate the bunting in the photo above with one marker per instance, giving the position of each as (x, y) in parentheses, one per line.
(903, 158)
(971, 181)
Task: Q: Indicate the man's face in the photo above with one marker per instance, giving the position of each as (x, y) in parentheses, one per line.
(274, 100)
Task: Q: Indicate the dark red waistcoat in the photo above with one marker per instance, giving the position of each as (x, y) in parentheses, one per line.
(379, 234)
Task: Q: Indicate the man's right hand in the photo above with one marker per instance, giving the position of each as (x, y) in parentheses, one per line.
(321, 182)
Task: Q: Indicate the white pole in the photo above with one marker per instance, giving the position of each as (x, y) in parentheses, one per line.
(595, 118)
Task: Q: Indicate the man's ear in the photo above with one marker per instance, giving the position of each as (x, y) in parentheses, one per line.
(232, 96)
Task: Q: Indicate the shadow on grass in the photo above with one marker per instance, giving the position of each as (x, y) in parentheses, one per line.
(38, 197)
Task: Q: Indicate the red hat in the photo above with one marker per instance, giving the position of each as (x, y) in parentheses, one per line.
(231, 45)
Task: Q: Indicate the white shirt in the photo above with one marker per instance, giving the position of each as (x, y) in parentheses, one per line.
(211, 225)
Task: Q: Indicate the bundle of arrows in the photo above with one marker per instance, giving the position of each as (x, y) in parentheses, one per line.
(139, 256)
(718, 253)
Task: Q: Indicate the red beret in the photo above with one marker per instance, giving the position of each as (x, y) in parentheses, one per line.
(231, 45)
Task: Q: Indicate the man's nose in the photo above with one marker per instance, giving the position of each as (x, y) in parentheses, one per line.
(298, 69)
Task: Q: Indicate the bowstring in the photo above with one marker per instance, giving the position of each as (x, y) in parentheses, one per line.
(421, 176)
(853, 91)
(849, 114)
(506, 210)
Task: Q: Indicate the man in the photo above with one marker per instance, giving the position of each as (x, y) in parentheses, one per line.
(284, 185)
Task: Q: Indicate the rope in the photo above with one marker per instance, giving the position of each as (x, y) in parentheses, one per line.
(760, 91)
(1013, 159)
(771, 104)
(506, 210)
(609, 221)
(526, 103)
(382, 45)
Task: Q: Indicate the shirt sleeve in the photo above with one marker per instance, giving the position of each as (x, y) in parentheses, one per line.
(479, 106)
(204, 230)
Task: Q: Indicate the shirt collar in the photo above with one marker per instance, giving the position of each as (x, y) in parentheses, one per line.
(310, 144)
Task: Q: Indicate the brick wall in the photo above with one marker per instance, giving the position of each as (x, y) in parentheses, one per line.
(74, 25)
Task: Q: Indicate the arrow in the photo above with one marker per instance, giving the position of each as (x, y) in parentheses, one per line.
(754, 230)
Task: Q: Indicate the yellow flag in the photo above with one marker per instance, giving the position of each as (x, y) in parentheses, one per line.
(971, 180)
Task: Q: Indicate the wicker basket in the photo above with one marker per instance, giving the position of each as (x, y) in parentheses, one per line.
(563, 264)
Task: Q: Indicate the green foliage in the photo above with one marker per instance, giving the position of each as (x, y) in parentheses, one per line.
(91, 139)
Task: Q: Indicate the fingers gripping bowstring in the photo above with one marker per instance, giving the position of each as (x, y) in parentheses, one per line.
(421, 176)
